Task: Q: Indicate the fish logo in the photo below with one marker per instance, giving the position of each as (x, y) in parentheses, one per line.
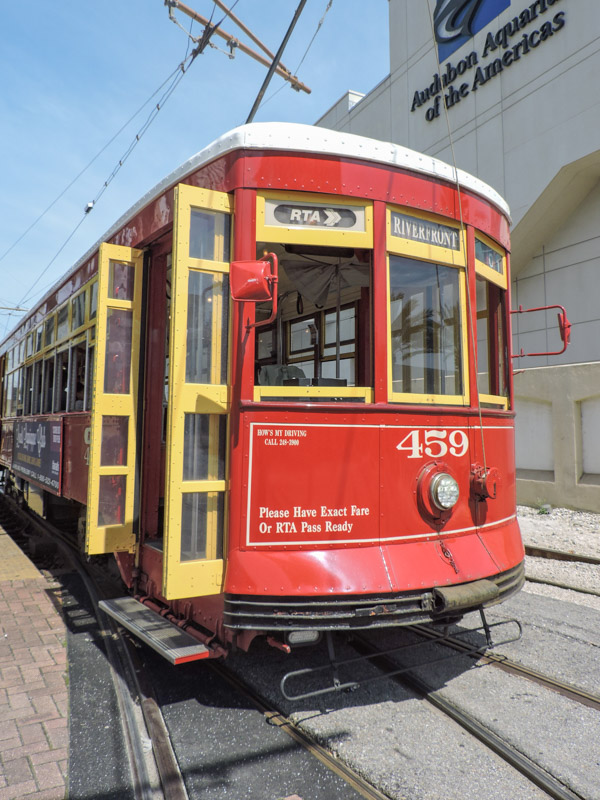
(454, 18)
(455, 21)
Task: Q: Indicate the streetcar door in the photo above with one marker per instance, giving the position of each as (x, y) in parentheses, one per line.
(198, 398)
(113, 469)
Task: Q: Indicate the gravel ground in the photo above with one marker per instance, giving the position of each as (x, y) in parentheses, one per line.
(572, 532)
(561, 529)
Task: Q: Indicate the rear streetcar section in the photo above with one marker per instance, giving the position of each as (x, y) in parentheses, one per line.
(279, 391)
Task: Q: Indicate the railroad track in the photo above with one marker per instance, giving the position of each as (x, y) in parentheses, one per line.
(513, 668)
(167, 768)
(559, 555)
(276, 717)
(528, 768)
(567, 558)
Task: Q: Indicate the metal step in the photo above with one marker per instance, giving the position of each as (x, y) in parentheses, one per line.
(171, 642)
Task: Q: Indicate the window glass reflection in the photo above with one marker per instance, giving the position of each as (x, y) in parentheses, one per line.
(207, 328)
(209, 235)
(426, 345)
(117, 368)
(202, 517)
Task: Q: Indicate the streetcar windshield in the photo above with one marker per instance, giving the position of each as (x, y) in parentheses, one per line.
(427, 350)
(321, 337)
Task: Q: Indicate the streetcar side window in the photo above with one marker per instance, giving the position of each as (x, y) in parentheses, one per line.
(61, 381)
(18, 391)
(492, 324)
(93, 300)
(36, 399)
(49, 331)
(77, 378)
(62, 325)
(78, 311)
(28, 391)
(48, 393)
(89, 382)
(8, 400)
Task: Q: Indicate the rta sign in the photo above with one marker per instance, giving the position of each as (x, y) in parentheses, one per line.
(455, 21)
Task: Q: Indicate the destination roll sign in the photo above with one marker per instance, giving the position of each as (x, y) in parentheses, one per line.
(423, 230)
(301, 215)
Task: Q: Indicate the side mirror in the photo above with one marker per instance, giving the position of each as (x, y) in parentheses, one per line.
(255, 282)
(564, 328)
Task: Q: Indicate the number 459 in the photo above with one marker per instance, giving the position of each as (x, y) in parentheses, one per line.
(432, 443)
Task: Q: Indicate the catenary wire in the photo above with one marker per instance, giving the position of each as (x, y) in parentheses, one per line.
(175, 77)
(89, 164)
(319, 25)
(463, 237)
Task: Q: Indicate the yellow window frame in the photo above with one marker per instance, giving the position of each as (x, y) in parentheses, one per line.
(203, 576)
(489, 274)
(481, 268)
(114, 537)
(328, 237)
(432, 399)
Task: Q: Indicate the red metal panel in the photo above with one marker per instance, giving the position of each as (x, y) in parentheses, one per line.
(333, 503)
(308, 486)
(334, 175)
(242, 360)
(76, 450)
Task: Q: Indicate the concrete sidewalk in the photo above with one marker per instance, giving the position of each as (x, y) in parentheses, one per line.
(33, 681)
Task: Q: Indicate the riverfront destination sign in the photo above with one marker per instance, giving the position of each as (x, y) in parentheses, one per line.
(424, 230)
(520, 36)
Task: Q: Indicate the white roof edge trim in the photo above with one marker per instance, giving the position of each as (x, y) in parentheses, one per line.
(300, 138)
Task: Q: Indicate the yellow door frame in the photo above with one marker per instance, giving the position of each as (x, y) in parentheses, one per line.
(190, 573)
(112, 468)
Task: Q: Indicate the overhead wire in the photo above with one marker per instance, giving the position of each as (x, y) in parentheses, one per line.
(463, 229)
(87, 166)
(310, 44)
(174, 78)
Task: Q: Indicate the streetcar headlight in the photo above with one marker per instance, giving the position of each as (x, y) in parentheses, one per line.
(444, 491)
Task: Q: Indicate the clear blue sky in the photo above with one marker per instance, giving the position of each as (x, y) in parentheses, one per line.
(75, 71)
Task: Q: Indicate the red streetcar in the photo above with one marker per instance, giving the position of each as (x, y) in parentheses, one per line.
(280, 392)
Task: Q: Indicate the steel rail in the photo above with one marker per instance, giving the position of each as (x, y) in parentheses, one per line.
(126, 679)
(529, 769)
(559, 585)
(275, 717)
(514, 668)
(559, 555)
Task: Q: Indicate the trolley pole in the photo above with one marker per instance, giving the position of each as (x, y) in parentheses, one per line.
(275, 62)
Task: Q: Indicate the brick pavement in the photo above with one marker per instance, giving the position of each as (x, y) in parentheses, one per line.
(33, 681)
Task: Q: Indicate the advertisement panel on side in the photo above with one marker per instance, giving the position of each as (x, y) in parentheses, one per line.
(37, 449)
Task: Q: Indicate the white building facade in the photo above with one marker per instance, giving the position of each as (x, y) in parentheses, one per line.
(509, 90)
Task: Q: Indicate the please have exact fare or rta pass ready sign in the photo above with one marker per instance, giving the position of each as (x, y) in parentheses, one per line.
(329, 484)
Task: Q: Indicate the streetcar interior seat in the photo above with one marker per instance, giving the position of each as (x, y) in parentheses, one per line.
(280, 374)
